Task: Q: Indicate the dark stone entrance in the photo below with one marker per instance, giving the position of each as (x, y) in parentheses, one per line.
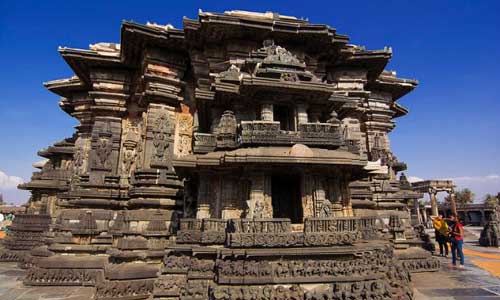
(286, 198)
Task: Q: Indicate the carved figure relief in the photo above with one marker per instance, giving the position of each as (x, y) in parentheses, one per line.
(132, 146)
(184, 134)
(81, 155)
(104, 147)
(161, 136)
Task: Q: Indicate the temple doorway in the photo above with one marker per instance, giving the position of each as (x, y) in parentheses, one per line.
(286, 197)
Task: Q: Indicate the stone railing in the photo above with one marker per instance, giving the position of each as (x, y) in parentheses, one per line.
(260, 225)
(269, 133)
(190, 224)
(368, 228)
(237, 233)
(330, 224)
(206, 231)
(204, 142)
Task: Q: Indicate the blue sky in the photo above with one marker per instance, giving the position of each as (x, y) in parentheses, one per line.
(451, 47)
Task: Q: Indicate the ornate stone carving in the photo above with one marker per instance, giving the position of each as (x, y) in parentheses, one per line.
(81, 155)
(279, 55)
(327, 269)
(161, 138)
(132, 147)
(104, 147)
(195, 268)
(128, 289)
(373, 289)
(37, 276)
(195, 290)
(232, 74)
(267, 292)
(169, 285)
(268, 132)
(291, 77)
(226, 131)
(204, 142)
(417, 265)
(184, 134)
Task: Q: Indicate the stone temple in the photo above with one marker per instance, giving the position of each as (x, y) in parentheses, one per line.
(245, 156)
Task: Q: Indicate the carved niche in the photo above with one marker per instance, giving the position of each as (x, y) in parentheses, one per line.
(104, 147)
(82, 147)
(226, 131)
(132, 146)
(161, 138)
(184, 134)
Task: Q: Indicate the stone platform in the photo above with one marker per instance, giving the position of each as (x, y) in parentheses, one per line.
(477, 281)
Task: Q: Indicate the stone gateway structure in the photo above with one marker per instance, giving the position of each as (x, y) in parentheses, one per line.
(245, 156)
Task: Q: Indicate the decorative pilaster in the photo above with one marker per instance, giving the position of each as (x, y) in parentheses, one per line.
(203, 210)
(260, 202)
(267, 112)
(302, 113)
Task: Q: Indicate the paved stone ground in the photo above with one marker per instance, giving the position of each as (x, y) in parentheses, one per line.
(11, 288)
(474, 282)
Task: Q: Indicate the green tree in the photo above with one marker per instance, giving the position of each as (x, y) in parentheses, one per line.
(464, 196)
(1, 199)
(490, 199)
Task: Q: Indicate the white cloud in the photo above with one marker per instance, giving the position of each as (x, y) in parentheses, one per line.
(491, 177)
(480, 185)
(9, 182)
(414, 179)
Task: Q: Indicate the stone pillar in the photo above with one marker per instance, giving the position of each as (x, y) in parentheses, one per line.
(267, 113)
(434, 205)
(302, 113)
(453, 202)
(416, 207)
(307, 191)
(203, 209)
(424, 216)
(319, 194)
(260, 203)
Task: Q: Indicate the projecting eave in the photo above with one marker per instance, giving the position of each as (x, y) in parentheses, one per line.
(136, 37)
(272, 155)
(65, 87)
(399, 110)
(388, 82)
(374, 61)
(82, 61)
(216, 27)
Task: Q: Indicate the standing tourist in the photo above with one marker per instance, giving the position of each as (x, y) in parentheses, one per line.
(441, 234)
(457, 240)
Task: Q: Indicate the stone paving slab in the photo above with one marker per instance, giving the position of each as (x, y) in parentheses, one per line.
(12, 288)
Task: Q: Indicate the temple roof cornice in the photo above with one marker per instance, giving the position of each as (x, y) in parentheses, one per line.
(65, 87)
(238, 24)
(388, 82)
(81, 61)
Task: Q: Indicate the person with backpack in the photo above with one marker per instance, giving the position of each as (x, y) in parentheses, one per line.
(457, 240)
(441, 234)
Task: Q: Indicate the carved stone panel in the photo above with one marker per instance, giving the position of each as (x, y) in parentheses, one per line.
(159, 136)
(184, 134)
